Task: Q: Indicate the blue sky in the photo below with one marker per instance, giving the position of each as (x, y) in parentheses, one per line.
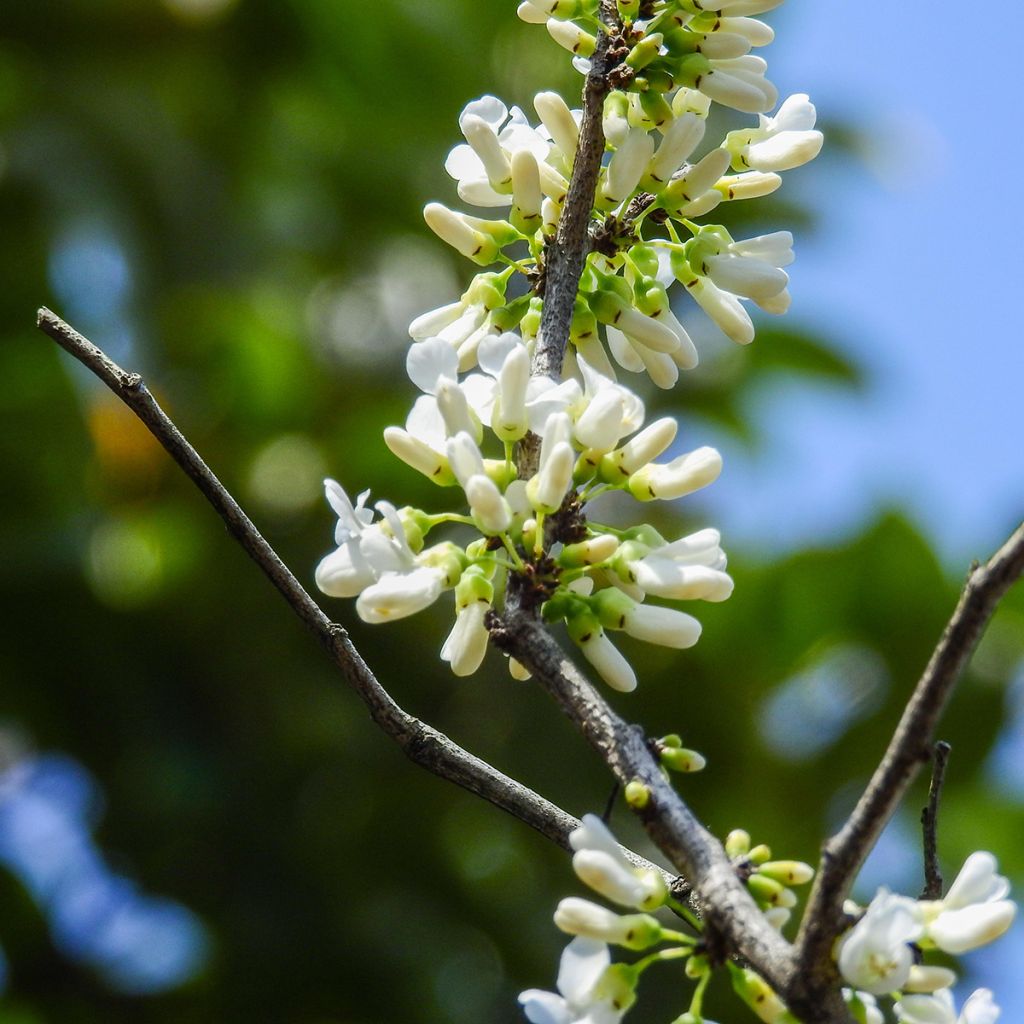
(916, 270)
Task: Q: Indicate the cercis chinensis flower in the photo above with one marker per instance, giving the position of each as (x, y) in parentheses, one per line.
(472, 358)
(522, 455)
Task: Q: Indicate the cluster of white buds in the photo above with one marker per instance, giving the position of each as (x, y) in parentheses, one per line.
(676, 58)
(460, 434)
(601, 863)
(881, 954)
(591, 988)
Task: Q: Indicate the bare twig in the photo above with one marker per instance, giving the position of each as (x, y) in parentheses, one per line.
(933, 884)
(423, 744)
(844, 853)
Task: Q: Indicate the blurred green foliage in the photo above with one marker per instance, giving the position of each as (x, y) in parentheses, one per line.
(226, 196)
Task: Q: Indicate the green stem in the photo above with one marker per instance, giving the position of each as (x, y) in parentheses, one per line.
(687, 915)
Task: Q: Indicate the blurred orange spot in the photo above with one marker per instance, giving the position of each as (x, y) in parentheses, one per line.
(124, 447)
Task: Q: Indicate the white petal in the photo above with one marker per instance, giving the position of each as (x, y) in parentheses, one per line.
(977, 882)
(593, 834)
(664, 626)
(797, 114)
(539, 1006)
(467, 643)
(489, 108)
(425, 423)
(397, 595)
(610, 663)
(427, 325)
(494, 350)
(477, 190)
(784, 151)
(980, 1008)
(344, 573)
(665, 578)
(958, 931)
(582, 964)
(463, 163)
(428, 360)
(623, 351)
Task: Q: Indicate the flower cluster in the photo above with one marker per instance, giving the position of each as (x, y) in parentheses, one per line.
(591, 988)
(675, 59)
(593, 577)
(880, 955)
(472, 359)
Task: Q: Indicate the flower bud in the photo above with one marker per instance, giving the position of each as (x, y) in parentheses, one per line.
(756, 993)
(681, 476)
(680, 759)
(527, 197)
(561, 125)
(927, 978)
(572, 37)
(737, 843)
(419, 455)
(482, 138)
(752, 185)
(547, 489)
(588, 552)
(637, 794)
(627, 165)
(489, 508)
(453, 229)
(636, 453)
(581, 917)
(788, 872)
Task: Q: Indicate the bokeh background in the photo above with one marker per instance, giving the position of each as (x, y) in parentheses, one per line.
(197, 822)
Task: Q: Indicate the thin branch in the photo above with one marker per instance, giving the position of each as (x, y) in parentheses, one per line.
(933, 884)
(420, 742)
(566, 254)
(844, 853)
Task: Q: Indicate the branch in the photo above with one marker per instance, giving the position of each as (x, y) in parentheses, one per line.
(725, 903)
(420, 742)
(566, 254)
(844, 853)
(933, 884)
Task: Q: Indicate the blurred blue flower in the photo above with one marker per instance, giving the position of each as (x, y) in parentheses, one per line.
(139, 944)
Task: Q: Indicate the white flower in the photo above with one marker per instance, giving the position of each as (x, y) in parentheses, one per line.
(494, 135)
(600, 863)
(497, 395)
(779, 143)
(753, 268)
(580, 998)
(614, 669)
(875, 954)
(691, 568)
(606, 412)
(939, 1008)
(346, 572)
(975, 911)
(581, 917)
(739, 83)
(675, 479)
(466, 645)
(398, 595)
